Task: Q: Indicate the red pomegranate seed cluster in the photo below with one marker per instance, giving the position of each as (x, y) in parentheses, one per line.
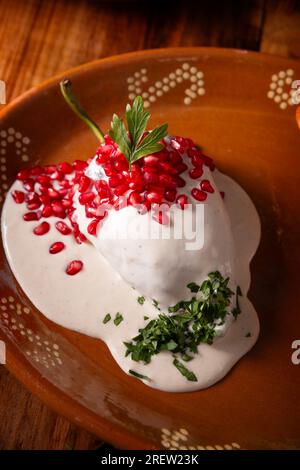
(154, 181)
(49, 191)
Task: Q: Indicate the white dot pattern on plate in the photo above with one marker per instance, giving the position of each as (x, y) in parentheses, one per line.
(179, 440)
(280, 90)
(186, 72)
(11, 137)
(39, 349)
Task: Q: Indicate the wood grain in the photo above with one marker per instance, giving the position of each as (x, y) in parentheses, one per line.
(39, 38)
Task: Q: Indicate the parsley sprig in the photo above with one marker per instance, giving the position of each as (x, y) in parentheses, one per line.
(135, 145)
(138, 375)
(191, 322)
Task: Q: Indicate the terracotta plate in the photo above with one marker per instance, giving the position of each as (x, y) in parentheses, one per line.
(238, 106)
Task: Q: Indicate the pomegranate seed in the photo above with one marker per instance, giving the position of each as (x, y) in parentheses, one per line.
(149, 169)
(198, 194)
(136, 186)
(161, 217)
(32, 197)
(74, 267)
(101, 184)
(150, 178)
(155, 196)
(105, 149)
(80, 238)
(168, 168)
(41, 229)
(101, 159)
(170, 195)
(92, 227)
(63, 228)
(49, 169)
(208, 162)
(151, 160)
(193, 152)
(86, 198)
(36, 170)
(162, 154)
(176, 145)
(134, 198)
(44, 190)
(175, 157)
(206, 186)
(57, 175)
(47, 211)
(120, 163)
(189, 143)
(197, 161)
(104, 193)
(79, 165)
(196, 173)
(65, 168)
(135, 169)
(120, 190)
(90, 212)
(29, 185)
(63, 192)
(167, 181)
(44, 180)
(45, 199)
(179, 181)
(53, 194)
(18, 196)
(84, 184)
(56, 247)
(29, 216)
(109, 170)
(181, 167)
(58, 209)
(66, 203)
(32, 206)
(182, 200)
(65, 184)
(108, 140)
(115, 181)
(222, 194)
(23, 175)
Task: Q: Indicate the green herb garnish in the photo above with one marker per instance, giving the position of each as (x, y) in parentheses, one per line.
(192, 322)
(193, 287)
(146, 318)
(236, 310)
(135, 146)
(156, 304)
(107, 318)
(139, 376)
(184, 371)
(118, 319)
(141, 300)
(248, 335)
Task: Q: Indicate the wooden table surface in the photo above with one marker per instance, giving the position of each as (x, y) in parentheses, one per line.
(39, 38)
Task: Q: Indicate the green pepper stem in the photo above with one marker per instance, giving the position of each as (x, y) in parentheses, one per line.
(67, 92)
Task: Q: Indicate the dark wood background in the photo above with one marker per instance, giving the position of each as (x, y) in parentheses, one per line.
(39, 38)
